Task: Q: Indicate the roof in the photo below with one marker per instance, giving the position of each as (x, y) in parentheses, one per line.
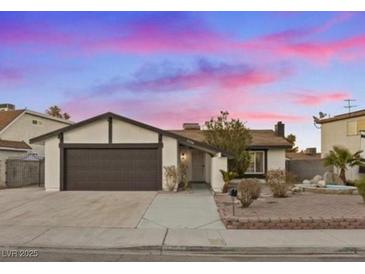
(14, 144)
(6, 117)
(344, 116)
(182, 139)
(302, 156)
(261, 138)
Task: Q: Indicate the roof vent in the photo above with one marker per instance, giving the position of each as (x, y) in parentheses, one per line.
(7, 107)
(191, 126)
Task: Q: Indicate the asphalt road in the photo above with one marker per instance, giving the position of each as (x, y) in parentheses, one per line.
(77, 256)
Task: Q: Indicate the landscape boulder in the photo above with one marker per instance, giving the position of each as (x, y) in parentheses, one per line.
(328, 177)
(316, 179)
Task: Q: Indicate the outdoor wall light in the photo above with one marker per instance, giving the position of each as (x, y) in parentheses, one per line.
(183, 156)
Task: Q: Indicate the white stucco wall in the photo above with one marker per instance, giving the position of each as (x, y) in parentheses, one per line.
(187, 161)
(96, 132)
(52, 164)
(276, 159)
(5, 154)
(217, 163)
(128, 133)
(23, 129)
(207, 163)
(169, 156)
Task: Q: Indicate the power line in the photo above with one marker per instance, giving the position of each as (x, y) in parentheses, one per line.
(349, 105)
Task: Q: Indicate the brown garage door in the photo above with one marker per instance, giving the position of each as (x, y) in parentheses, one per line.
(112, 169)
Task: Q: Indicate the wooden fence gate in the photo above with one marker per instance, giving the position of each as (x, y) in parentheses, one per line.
(24, 172)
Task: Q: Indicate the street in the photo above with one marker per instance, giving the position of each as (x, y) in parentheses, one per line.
(102, 256)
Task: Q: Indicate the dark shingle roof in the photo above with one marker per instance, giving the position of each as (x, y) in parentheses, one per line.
(260, 137)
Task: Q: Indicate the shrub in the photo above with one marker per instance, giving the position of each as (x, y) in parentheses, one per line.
(248, 191)
(171, 177)
(183, 169)
(279, 182)
(360, 184)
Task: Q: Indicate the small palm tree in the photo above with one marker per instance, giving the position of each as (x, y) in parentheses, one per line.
(342, 158)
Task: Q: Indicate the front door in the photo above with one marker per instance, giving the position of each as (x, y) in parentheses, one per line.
(198, 167)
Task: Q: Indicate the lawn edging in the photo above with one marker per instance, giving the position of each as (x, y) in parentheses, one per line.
(232, 222)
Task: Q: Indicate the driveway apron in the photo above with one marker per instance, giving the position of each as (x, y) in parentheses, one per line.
(193, 209)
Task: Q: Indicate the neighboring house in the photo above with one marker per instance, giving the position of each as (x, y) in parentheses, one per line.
(112, 152)
(347, 130)
(17, 127)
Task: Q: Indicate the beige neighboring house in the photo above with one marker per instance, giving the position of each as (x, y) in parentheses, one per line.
(347, 130)
(112, 152)
(17, 127)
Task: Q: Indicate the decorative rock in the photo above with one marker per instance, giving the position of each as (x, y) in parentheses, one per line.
(328, 177)
(322, 183)
(306, 182)
(316, 179)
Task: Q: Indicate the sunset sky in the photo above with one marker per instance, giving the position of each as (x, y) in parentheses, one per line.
(168, 68)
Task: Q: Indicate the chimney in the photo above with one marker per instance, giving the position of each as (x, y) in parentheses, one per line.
(191, 126)
(7, 107)
(280, 129)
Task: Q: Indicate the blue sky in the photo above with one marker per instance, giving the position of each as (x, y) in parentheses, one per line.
(166, 68)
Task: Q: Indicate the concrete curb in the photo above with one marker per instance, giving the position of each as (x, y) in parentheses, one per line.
(203, 250)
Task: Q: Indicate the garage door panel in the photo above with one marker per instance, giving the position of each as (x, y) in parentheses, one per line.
(112, 169)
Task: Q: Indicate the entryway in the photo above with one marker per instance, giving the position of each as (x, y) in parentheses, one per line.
(195, 209)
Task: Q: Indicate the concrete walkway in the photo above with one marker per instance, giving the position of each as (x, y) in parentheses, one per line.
(194, 209)
(207, 241)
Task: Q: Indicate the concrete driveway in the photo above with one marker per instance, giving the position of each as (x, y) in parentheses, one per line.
(195, 209)
(109, 209)
(36, 207)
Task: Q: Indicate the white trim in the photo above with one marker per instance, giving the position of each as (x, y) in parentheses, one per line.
(34, 113)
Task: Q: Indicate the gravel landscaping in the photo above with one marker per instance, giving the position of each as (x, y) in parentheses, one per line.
(298, 211)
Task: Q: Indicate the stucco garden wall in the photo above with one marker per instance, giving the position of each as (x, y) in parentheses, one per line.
(216, 180)
(276, 159)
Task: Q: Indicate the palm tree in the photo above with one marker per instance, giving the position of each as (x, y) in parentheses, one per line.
(342, 158)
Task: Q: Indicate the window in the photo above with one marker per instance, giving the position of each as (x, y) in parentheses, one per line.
(36, 122)
(257, 163)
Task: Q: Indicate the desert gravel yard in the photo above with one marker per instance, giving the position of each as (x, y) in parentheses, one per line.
(36, 207)
(299, 210)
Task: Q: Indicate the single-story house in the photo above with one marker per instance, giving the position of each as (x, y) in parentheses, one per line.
(17, 126)
(112, 152)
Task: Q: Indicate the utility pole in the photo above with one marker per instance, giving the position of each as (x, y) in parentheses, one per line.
(349, 105)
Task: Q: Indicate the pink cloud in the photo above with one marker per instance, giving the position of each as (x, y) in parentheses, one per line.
(269, 116)
(220, 76)
(311, 98)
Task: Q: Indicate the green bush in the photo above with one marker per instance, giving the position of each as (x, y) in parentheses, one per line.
(360, 184)
(247, 191)
(279, 182)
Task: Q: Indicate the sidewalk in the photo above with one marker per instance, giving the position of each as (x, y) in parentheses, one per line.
(205, 241)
